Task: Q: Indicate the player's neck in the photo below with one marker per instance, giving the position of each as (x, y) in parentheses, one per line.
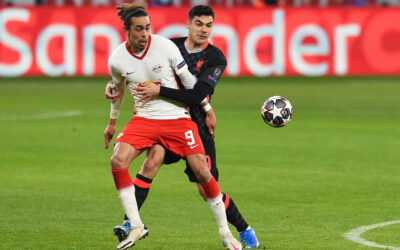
(192, 45)
(134, 49)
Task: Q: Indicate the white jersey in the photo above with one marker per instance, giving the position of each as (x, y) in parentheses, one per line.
(158, 63)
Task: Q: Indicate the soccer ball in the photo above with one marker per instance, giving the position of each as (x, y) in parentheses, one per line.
(277, 111)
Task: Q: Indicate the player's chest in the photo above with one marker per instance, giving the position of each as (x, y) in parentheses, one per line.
(147, 69)
(196, 62)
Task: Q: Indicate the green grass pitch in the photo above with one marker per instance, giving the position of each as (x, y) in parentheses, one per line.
(333, 168)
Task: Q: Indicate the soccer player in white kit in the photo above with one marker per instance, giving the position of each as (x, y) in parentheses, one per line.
(150, 58)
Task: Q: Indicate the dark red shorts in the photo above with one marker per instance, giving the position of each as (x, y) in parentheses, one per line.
(180, 136)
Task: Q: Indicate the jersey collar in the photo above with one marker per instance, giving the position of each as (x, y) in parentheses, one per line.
(145, 51)
(196, 50)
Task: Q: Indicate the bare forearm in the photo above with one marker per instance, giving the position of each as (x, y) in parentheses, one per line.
(116, 105)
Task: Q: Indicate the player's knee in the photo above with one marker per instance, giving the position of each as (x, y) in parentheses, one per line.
(200, 168)
(203, 175)
(117, 162)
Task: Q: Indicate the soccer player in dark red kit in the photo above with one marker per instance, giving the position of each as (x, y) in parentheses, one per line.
(207, 63)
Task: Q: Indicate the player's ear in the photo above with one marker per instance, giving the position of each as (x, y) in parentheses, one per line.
(188, 23)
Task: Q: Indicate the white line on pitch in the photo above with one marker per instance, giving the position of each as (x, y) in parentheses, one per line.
(354, 235)
(38, 116)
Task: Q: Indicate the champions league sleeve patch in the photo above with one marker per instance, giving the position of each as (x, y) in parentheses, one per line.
(183, 63)
(214, 77)
(217, 72)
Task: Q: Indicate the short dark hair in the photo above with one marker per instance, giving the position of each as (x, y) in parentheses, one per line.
(128, 10)
(201, 10)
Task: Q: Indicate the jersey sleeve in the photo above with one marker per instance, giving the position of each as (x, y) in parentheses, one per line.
(179, 65)
(119, 81)
(213, 71)
(176, 60)
(189, 96)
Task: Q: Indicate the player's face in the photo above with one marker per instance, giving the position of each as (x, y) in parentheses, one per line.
(138, 33)
(200, 29)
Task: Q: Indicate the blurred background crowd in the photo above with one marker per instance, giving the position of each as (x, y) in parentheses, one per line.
(214, 3)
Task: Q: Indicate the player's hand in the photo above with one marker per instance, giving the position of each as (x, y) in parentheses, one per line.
(108, 134)
(110, 89)
(211, 122)
(148, 92)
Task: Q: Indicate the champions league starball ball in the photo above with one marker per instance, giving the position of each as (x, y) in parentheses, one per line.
(276, 111)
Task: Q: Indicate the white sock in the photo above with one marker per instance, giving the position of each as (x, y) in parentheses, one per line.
(128, 200)
(218, 207)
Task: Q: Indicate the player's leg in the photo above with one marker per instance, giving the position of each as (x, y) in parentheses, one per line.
(122, 156)
(142, 182)
(156, 156)
(149, 170)
(247, 234)
(213, 196)
(182, 137)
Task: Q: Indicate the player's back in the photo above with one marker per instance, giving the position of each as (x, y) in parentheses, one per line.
(154, 64)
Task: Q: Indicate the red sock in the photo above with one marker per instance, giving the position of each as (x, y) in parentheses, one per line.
(226, 200)
(122, 179)
(211, 189)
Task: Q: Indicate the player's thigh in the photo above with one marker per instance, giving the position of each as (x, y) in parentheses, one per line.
(199, 166)
(209, 147)
(123, 155)
(170, 157)
(154, 160)
(181, 137)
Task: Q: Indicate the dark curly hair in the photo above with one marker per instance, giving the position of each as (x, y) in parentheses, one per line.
(128, 10)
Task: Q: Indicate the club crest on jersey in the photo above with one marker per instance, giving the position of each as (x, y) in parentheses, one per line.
(157, 68)
(198, 66)
(180, 65)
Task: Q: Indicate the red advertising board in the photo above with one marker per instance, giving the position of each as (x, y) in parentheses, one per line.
(262, 42)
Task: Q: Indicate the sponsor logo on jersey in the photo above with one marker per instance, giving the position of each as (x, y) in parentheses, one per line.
(157, 68)
(128, 73)
(192, 147)
(180, 65)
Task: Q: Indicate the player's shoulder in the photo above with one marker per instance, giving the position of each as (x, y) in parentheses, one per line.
(178, 40)
(161, 40)
(215, 54)
(117, 52)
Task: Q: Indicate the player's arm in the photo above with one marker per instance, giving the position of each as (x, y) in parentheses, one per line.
(119, 85)
(111, 92)
(204, 86)
(206, 82)
(192, 94)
